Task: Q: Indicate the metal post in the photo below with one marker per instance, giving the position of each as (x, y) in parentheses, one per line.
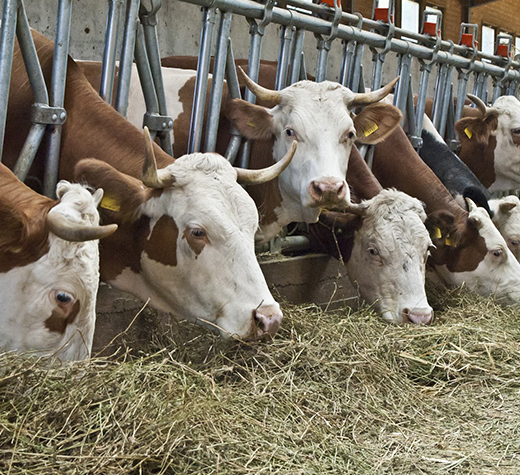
(7, 33)
(201, 80)
(108, 67)
(127, 57)
(401, 96)
(286, 39)
(297, 56)
(57, 93)
(217, 84)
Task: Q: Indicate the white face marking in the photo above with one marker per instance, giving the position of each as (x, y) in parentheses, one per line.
(498, 274)
(389, 256)
(219, 284)
(29, 294)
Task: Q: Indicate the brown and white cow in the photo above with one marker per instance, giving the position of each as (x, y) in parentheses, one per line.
(506, 217)
(468, 247)
(49, 268)
(186, 234)
(490, 143)
(317, 115)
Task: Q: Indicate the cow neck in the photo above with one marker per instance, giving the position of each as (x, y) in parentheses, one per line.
(480, 159)
(363, 183)
(397, 164)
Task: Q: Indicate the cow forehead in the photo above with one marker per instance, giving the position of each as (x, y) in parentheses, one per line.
(508, 108)
(488, 230)
(78, 204)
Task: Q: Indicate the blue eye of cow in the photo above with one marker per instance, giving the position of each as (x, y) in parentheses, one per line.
(63, 297)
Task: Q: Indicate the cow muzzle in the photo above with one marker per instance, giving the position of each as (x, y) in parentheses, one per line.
(418, 316)
(328, 191)
(267, 320)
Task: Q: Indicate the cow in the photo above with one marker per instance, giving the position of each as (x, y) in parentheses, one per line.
(490, 143)
(506, 217)
(467, 246)
(383, 244)
(49, 268)
(317, 115)
(186, 227)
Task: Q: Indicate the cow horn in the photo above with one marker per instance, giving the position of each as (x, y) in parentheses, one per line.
(481, 106)
(255, 177)
(359, 209)
(152, 177)
(373, 96)
(65, 229)
(267, 95)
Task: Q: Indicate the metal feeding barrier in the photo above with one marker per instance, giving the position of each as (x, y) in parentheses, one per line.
(329, 25)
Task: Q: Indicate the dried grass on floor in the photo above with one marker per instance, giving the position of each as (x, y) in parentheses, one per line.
(335, 393)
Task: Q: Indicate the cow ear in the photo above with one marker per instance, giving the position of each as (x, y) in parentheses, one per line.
(376, 122)
(477, 129)
(14, 227)
(123, 194)
(442, 229)
(252, 121)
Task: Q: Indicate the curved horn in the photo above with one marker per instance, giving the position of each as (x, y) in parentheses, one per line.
(481, 106)
(255, 177)
(374, 96)
(62, 227)
(273, 97)
(359, 209)
(470, 204)
(152, 177)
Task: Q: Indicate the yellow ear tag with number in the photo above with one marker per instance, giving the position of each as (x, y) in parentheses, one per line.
(370, 129)
(111, 203)
(437, 233)
(468, 133)
(250, 123)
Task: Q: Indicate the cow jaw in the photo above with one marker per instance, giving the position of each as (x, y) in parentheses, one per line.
(388, 258)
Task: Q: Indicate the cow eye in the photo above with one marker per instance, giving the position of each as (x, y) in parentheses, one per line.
(290, 132)
(497, 253)
(515, 131)
(63, 297)
(351, 135)
(514, 242)
(373, 251)
(198, 233)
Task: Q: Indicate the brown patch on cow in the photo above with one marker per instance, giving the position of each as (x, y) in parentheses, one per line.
(196, 244)
(161, 246)
(23, 214)
(334, 234)
(363, 183)
(478, 151)
(464, 250)
(376, 122)
(253, 121)
(61, 318)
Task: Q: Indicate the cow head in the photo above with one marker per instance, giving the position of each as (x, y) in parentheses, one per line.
(186, 241)
(506, 218)
(48, 304)
(474, 253)
(318, 116)
(389, 255)
(490, 143)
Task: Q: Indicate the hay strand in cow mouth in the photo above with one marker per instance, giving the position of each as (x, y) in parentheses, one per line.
(336, 392)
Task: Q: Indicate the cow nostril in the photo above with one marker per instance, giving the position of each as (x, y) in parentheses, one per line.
(260, 322)
(317, 188)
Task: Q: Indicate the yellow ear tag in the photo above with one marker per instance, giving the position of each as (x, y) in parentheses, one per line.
(371, 129)
(437, 233)
(250, 123)
(110, 203)
(448, 242)
(468, 132)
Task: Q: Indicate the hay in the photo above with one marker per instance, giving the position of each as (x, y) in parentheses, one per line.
(334, 393)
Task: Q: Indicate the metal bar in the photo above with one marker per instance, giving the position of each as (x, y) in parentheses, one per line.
(421, 99)
(234, 92)
(448, 93)
(127, 57)
(217, 84)
(461, 93)
(145, 75)
(404, 83)
(57, 93)
(286, 39)
(108, 67)
(201, 80)
(297, 57)
(7, 34)
(28, 152)
(358, 68)
(323, 52)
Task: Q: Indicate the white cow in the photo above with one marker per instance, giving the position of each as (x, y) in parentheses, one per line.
(48, 283)
(506, 218)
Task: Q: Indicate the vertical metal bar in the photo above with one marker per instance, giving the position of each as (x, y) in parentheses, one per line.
(299, 38)
(349, 53)
(286, 39)
(108, 66)
(357, 68)
(323, 53)
(28, 152)
(439, 95)
(461, 93)
(447, 96)
(201, 80)
(145, 76)
(234, 92)
(378, 60)
(421, 99)
(343, 66)
(217, 84)
(7, 33)
(404, 82)
(127, 57)
(57, 93)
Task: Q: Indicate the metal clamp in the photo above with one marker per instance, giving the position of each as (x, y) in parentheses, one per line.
(44, 114)
(157, 122)
(147, 16)
(259, 28)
